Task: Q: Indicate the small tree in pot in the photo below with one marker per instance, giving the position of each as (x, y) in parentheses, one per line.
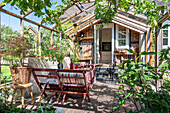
(14, 50)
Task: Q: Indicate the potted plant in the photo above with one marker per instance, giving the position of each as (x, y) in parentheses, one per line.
(58, 51)
(15, 49)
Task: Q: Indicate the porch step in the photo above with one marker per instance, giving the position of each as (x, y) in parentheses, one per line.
(106, 73)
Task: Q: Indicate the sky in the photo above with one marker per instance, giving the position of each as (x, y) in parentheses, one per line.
(15, 22)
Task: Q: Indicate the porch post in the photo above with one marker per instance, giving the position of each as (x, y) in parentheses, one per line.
(148, 43)
(142, 45)
(97, 46)
(145, 47)
(94, 45)
(113, 45)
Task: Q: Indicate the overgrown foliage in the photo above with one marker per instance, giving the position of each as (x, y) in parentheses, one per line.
(7, 106)
(15, 49)
(138, 84)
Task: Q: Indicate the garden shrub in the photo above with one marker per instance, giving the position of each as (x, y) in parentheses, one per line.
(142, 89)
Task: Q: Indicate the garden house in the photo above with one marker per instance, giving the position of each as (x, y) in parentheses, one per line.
(107, 44)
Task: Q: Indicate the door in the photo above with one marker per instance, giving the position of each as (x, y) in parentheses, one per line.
(105, 45)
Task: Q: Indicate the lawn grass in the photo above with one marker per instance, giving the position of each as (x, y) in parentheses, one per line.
(6, 73)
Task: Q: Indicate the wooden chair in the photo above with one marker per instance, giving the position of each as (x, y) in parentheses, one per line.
(51, 81)
(91, 69)
(74, 82)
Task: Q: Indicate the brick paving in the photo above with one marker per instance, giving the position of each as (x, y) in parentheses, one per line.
(102, 100)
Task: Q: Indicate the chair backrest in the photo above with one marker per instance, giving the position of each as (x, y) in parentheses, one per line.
(71, 77)
(43, 73)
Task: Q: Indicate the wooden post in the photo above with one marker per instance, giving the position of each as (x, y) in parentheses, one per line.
(51, 37)
(22, 28)
(22, 38)
(94, 45)
(151, 42)
(97, 46)
(39, 40)
(0, 48)
(145, 47)
(113, 47)
(156, 39)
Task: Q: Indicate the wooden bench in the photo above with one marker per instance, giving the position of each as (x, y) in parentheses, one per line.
(64, 81)
(74, 82)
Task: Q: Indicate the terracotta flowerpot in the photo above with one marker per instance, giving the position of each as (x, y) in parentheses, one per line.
(21, 75)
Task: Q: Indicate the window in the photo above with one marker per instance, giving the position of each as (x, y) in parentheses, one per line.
(165, 37)
(122, 37)
(106, 46)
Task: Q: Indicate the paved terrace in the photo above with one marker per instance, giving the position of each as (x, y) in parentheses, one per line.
(103, 99)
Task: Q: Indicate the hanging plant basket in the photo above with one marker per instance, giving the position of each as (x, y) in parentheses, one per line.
(21, 75)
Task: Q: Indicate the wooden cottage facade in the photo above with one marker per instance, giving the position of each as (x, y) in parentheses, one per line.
(107, 45)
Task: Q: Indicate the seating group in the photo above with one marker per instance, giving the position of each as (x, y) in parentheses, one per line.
(65, 81)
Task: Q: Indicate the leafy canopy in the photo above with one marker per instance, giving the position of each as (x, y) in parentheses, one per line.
(105, 9)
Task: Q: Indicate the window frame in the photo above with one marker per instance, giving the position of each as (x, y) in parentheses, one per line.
(117, 38)
(166, 46)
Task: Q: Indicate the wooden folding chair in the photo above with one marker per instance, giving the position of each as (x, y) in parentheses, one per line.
(51, 80)
(73, 82)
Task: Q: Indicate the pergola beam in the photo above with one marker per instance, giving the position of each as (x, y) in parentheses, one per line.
(79, 8)
(72, 16)
(83, 19)
(28, 12)
(30, 21)
(164, 18)
(4, 4)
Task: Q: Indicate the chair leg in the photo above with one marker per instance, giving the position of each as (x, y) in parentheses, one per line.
(32, 100)
(64, 98)
(88, 97)
(41, 96)
(59, 98)
(45, 94)
(84, 97)
(22, 97)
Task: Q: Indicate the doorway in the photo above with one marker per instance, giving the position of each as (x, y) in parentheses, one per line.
(105, 45)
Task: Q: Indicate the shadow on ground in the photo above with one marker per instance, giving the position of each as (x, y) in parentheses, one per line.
(102, 100)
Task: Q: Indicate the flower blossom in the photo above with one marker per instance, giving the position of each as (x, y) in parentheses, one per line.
(55, 48)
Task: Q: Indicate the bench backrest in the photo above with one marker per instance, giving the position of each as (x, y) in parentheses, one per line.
(43, 73)
(71, 77)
